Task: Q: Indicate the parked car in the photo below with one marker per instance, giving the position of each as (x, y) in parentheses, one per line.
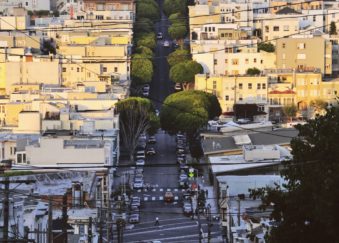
(183, 176)
(150, 151)
(134, 218)
(152, 140)
(166, 43)
(183, 184)
(159, 36)
(142, 137)
(146, 87)
(145, 93)
(140, 162)
(138, 184)
(169, 197)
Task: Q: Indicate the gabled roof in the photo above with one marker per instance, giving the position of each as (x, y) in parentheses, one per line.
(287, 10)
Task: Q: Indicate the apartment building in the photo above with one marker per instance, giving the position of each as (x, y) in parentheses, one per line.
(231, 90)
(305, 52)
(14, 22)
(277, 27)
(32, 5)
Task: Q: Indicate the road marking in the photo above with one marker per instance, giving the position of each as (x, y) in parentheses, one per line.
(145, 190)
(161, 198)
(145, 198)
(163, 229)
(163, 220)
(153, 190)
(139, 190)
(168, 189)
(176, 189)
(153, 198)
(161, 189)
(182, 190)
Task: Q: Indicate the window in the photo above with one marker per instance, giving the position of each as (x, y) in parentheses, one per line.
(255, 60)
(215, 61)
(115, 69)
(314, 18)
(213, 29)
(209, 29)
(227, 97)
(81, 229)
(267, 29)
(226, 61)
(301, 46)
(222, 35)
(258, 86)
(301, 56)
(235, 61)
(78, 69)
(64, 69)
(261, 61)
(214, 84)
(246, 61)
(275, 28)
(205, 29)
(104, 69)
(240, 97)
(240, 86)
(263, 86)
(283, 45)
(286, 28)
(19, 158)
(249, 85)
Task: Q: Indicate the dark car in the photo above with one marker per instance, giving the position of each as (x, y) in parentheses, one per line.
(169, 197)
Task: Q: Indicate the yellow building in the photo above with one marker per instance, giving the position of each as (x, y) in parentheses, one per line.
(304, 5)
(232, 90)
(11, 112)
(305, 53)
(273, 29)
(14, 22)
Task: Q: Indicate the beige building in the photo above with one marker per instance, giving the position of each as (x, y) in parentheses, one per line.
(305, 53)
(231, 90)
(14, 22)
(274, 29)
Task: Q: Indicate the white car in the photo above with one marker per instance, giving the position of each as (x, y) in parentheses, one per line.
(178, 87)
(145, 93)
(138, 185)
(183, 177)
(140, 162)
(146, 87)
(134, 219)
(159, 36)
(166, 44)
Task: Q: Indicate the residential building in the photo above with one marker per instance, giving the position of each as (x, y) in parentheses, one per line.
(231, 90)
(305, 52)
(14, 22)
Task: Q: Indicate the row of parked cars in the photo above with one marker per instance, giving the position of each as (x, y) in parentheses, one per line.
(181, 160)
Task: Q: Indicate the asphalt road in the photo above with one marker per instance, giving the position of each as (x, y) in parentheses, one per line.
(161, 171)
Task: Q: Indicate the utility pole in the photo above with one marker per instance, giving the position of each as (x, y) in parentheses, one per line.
(109, 223)
(50, 220)
(64, 218)
(90, 230)
(6, 209)
(100, 240)
(6, 182)
(199, 223)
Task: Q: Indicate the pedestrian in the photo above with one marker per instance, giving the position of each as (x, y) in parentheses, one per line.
(156, 221)
(206, 193)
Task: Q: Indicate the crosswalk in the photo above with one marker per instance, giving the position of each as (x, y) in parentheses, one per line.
(161, 190)
(157, 198)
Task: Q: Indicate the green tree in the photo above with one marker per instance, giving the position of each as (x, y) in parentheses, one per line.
(175, 18)
(143, 25)
(186, 111)
(147, 40)
(185, 72)
(265, 46)
(177, 30)
(214, 108)
(175, 6)
(147, 9)
(253, 71)
(141, 69)
(290, 111)
(333, 28)
(306, 207)
(178, 56)
(135, 114)
(144, 51)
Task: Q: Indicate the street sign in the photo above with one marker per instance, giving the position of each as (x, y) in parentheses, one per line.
(191, 174)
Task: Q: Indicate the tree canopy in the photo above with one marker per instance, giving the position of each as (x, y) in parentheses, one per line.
(333, 28)
(141, 69)
(253, 71)
(266, 46)
(178, 30)
(147, 9)
(175, 6)
(306, 208)
(136, 116)
(184, 72)
(187, 111)
(178, 56)
(147, 40)
(290, 111)
(144, 51)
(143, 25)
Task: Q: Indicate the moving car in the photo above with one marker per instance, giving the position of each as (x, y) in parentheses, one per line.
(187, 209)
(183, 177)
(150, 151)
(138, 185)
(152, 140)
(146, 87)
(178, 87)
(145, 93)
(169, 197)
(166, 43)
(159, 36)
(134, 219)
